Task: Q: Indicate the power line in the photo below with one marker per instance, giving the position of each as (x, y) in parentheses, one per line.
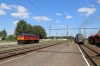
(24, 6)
(89, 15)
(74, 28)
(35, 6)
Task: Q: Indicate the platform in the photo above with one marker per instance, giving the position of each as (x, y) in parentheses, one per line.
(59, 55)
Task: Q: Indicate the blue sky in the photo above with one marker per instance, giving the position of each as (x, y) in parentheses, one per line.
(57, 13)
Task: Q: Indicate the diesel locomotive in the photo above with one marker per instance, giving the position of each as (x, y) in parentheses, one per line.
(27, 38)
(79, 39)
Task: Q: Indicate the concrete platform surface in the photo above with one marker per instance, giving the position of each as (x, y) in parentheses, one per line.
(59, 55)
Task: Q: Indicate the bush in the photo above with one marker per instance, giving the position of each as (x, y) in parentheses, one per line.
(11, 38)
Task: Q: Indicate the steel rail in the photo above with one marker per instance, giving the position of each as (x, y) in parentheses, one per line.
(92, 50)
(89, 57)
(17, 51)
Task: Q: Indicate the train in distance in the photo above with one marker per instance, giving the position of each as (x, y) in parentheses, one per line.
(79, 39)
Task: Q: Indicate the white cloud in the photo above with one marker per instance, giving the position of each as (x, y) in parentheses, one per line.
(68, 16)
(2, 12)
(15, 22)
(41, 18)
(4, 6)
(99, 1)
(88, 11)
(21, 12)
(20, 15)
(58, 21)
(13, 6)
(58, 14)
(21, 9)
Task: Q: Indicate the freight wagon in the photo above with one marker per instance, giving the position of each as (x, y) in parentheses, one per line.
(94, 39)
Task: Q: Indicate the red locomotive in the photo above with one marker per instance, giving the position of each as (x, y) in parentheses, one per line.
(27, 38)
(94, 39)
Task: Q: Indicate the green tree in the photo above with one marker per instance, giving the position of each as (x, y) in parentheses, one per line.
(4, 34)
(37, 29)
(11, 37)
(29, 29)
(0, 33)
(99, 31)
(21, 27)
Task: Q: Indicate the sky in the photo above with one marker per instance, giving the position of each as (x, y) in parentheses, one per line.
(57, 14)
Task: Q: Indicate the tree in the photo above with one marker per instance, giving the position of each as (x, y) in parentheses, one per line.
(39, 31)
(99, 31)
(21, 27)
(29, 29)
(3, 34)
(0, 33)
(11, 37)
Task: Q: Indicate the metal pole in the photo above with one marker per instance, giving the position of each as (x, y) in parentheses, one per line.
(71, 36)
(56, 36)
(49, 31)
(80, 30)
(84, 34)
(67, 34)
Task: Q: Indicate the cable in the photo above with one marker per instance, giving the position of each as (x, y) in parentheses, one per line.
(89, 15)
(35, 6)
(24, 6)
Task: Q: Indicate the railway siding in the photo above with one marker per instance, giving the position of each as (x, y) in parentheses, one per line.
(93, 54)
(19, 50)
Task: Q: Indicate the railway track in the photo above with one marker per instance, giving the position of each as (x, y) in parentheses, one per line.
(22, 50)
(92, 54)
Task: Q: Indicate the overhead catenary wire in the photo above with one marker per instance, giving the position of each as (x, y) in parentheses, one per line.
(36, 7)
(26, 7)
(89, 15)
(74, 28)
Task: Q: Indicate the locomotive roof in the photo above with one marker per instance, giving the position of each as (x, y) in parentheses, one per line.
(79, 34)
(28, 34)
